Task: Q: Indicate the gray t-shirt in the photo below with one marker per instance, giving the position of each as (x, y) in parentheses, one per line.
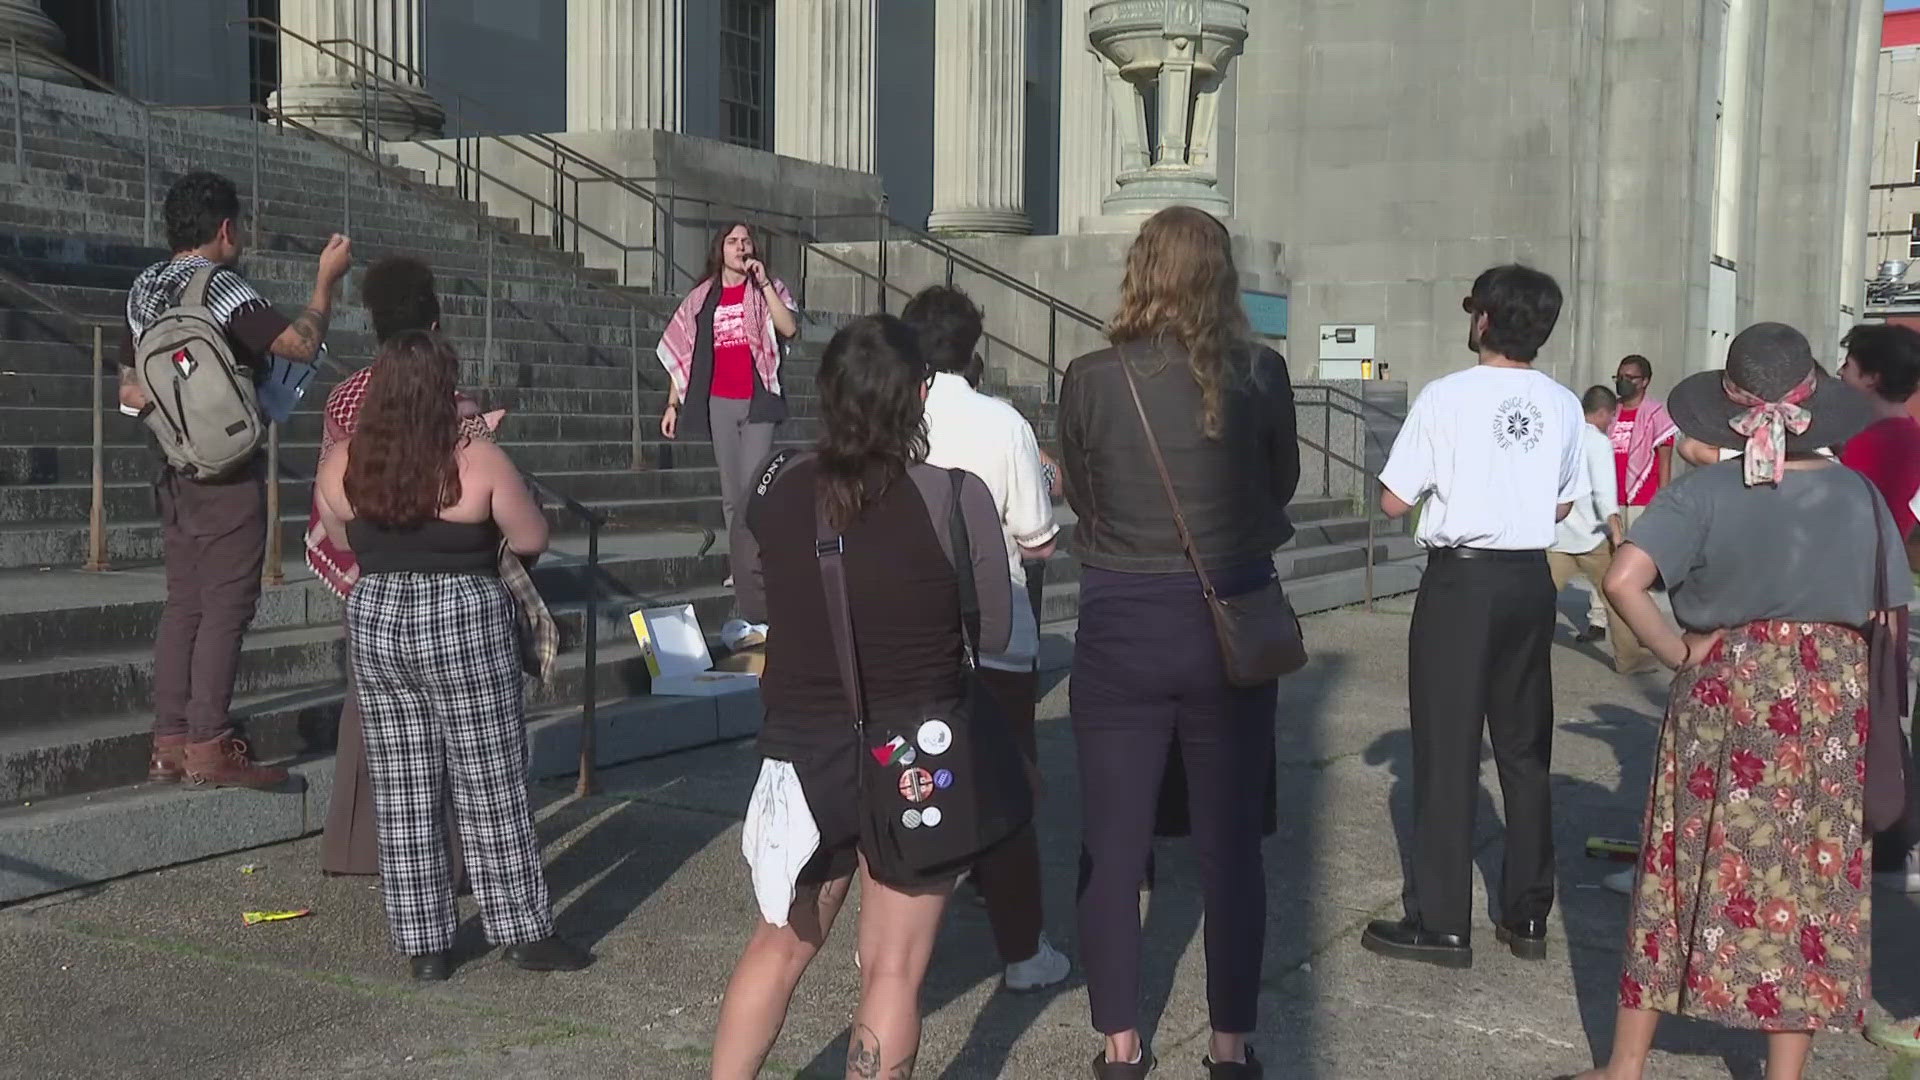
(1801, 552)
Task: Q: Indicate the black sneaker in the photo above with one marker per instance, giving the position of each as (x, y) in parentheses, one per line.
(1122, 1070)
(551, 953)
(1234, 1070)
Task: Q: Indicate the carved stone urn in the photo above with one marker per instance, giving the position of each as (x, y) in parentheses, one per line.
(1171, 57)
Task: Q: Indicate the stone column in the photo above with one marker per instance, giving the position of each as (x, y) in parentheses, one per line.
(338, 97)
(823, 82)
(980, 117)
(1858, 137)
(1089, 141)
(23, 21)
(623, 65)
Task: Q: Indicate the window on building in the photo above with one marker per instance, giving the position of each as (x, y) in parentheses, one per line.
(1913, 237)
(746, 76)
(263, 52)
(1916, 162)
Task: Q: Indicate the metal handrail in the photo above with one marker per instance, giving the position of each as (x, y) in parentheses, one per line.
(589, 696)
(1364, 439)
(601, 173)
(99, 325)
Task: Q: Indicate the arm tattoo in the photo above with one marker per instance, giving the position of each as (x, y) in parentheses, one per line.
(309, 328)
(864, 1059)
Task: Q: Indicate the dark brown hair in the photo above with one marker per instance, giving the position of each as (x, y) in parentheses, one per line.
(872, 413)
(401, 470)
(716, 251)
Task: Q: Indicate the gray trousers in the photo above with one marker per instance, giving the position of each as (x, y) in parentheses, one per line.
(739, 447)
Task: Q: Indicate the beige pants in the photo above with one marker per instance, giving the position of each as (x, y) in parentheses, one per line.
(1628, 653)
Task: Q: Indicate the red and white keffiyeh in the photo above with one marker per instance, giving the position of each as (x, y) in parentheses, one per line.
(676, 345)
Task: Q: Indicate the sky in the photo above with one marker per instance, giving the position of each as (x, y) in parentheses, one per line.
(1902, 5)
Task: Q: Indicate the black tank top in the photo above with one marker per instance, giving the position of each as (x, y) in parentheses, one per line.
(438, 547)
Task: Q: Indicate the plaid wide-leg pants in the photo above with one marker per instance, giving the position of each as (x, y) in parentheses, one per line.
(436, 662)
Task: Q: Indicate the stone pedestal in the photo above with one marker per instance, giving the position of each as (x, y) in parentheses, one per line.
(22, 20)
(980, 117)
(341, 98)
(623, 65)
(1177, 53)
(823, 82)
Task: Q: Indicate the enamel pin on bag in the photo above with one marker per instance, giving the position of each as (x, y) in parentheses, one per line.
(942, 784)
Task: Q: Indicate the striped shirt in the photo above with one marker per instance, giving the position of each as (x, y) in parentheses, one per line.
(252, 324)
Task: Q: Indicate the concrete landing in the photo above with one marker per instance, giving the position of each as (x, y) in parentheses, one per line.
(153, 975)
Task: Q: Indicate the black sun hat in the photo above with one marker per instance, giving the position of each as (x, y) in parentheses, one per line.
(1770, 387)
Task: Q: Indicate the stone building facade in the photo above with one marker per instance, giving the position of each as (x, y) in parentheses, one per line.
(1683, 166)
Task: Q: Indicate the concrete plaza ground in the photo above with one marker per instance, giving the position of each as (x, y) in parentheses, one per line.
(154, 975)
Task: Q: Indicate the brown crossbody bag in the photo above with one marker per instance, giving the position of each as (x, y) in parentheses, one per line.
(1259, 634)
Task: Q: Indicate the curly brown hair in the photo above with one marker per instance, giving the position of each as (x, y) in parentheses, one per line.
(1182, 284)
(401, 470)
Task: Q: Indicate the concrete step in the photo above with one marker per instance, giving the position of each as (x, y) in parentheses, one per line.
(61, 843)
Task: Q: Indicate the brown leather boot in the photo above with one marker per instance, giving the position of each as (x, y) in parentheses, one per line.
(168, 765)
(225, 762)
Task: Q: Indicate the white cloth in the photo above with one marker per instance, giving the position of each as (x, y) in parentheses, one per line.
(778, 838)
(990, 439)
(1493, 451)
(1585, 526)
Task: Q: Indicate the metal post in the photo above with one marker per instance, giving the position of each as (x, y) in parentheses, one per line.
(146, 178)
(19, 114)
(949, 269)
(346, 198)
(1053, 353)
(586, 785)
(486, 369)
(275, 573)
(1366, 493)
(97, 515)
(633, 362)
(885, 222)
(259, 229)
(1326, 442)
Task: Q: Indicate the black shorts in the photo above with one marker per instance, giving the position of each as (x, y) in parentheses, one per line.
(831, 781)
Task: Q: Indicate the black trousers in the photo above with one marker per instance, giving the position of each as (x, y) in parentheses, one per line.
(1479, 652)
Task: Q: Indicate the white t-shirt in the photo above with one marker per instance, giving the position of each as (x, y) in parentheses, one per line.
(1494, 451)
(990, 439)
(1585, 526)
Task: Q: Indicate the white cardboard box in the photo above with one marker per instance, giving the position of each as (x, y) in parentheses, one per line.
(678, 657)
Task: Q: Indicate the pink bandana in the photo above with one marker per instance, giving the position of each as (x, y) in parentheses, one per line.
(1766, 424)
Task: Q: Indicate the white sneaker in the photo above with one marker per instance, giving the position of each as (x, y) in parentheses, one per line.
(1620, 882)
(1041, 970)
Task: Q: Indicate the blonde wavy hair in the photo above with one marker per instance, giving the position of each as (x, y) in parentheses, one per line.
(1182, 284)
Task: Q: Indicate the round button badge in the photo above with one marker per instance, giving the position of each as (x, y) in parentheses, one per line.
(934, 737)
(916, 785)
(930, 817)
(943, 779)
(911, 819)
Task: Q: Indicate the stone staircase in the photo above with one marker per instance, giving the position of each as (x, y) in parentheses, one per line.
(75, 646)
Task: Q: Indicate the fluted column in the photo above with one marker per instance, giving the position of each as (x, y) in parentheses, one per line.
(24, 22)
(332, 93)
(1089, 140)
(823, 81)
(623, 65)
(980, 117)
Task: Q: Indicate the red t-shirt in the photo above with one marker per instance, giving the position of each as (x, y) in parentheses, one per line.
(732, 355)
(1622, 435)
(1888, 453)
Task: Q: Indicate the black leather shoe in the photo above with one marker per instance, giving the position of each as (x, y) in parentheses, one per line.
(1527, 938)
(433, 967)
(1234, 1070)
(551, 953)
(1408, 940)
(1122, 1070)
(1590, 635)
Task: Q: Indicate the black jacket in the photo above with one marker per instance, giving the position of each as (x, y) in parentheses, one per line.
(1234, 489)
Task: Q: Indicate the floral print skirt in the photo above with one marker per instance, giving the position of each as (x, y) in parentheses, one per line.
(1750, 908)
